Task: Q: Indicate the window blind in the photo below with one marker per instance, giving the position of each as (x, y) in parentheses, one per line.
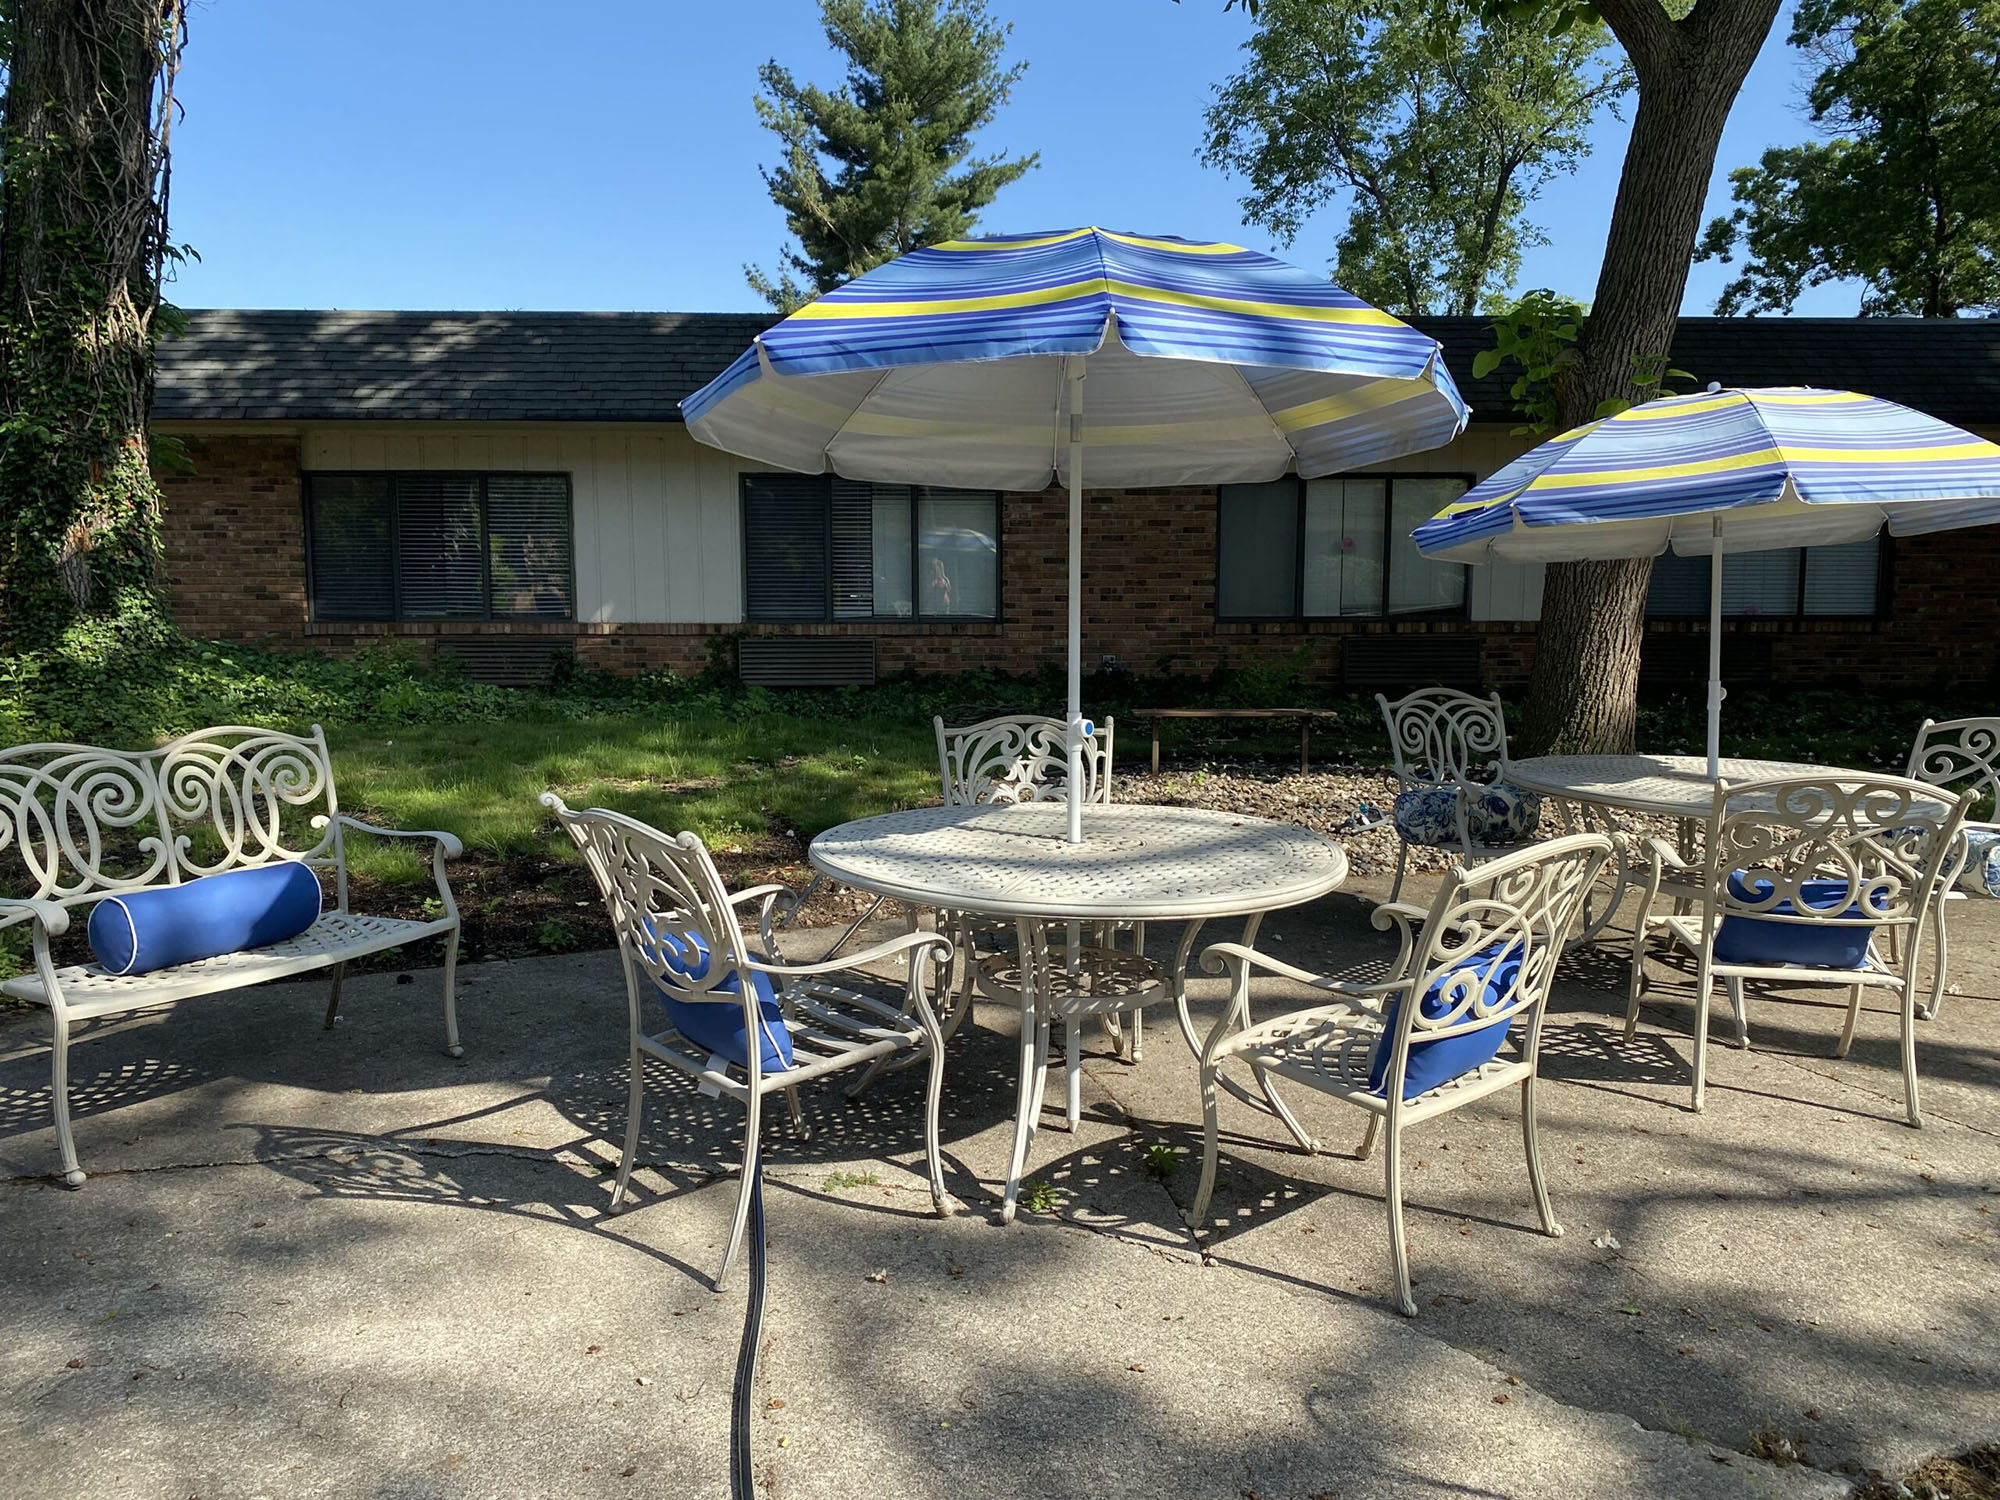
(785, 547)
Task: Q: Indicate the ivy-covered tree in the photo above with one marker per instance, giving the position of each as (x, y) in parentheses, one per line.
(1440, 129)
(1904, 193)
(883, 164)
(83, 243)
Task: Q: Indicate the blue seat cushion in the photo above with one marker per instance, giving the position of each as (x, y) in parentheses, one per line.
(1438, 1061)
(1821, 945)
(716, 1025)
(1496, 815)
(205, 918)
(1981, 873)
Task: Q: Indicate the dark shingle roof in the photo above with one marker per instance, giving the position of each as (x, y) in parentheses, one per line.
(635, 367)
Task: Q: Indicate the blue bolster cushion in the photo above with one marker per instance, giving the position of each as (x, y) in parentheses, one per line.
(716, 1025)
(1823, 945)
(177, 924)
(1440, 1060)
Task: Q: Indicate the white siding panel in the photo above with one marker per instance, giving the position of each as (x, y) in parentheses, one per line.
(657, 535)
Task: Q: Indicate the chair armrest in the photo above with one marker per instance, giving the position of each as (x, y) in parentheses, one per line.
(52, 917)
(1404, 918)
(448, 842)
(908, 942)
(1217, 956)
(766, 897)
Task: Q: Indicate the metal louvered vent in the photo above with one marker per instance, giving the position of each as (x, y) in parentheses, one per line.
(507, 661)
(807, 661)
(1410, 661)
(1677, 659)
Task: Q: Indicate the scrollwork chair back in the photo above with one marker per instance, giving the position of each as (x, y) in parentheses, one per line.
(1440, 736)
(1019, 758)
(1961, 754)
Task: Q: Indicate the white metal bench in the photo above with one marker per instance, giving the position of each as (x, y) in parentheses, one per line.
(80, 822)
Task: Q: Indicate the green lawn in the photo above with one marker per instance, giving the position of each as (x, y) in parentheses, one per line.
(730, 778)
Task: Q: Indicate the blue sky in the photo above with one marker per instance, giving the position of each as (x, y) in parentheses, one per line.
(604, 154)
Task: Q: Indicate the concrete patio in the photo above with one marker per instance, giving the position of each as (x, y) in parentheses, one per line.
(344, 1265)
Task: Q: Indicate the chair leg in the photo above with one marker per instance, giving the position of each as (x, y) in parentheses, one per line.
(1367, 1147)
(941, 1199)
(333, 996)
(1279, 1108)
(797, 1116)
(1138, 1032)
(635, 1114)
(1912, 1112)
(1735, 989)
(1704, 984)
(1635, 983)
(72, 1174)
(452, 1048)
(1399, 1254)
(1853, 1015)
(1034, 1058)
(1930, 1012)
(1532, 1142)
(1210, 1144)
(1072, 1072)
(1402, 858)
(746, 1189)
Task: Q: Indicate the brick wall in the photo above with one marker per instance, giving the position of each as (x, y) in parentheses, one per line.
(235, 540)
(237, 560)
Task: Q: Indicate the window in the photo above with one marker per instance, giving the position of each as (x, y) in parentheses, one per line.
(1782, 584)
(1328, 549)
(436, 546)
(822, 548)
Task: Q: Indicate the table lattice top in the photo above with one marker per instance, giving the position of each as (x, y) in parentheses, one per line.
(1135, 861)
(1674, 786)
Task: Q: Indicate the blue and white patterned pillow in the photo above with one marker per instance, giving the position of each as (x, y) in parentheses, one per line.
(1427, 815)
(1981, 874)
(1496, 815)
(1504, 814)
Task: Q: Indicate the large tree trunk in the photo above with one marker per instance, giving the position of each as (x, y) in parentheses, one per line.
(1582, 692)
(82, 236)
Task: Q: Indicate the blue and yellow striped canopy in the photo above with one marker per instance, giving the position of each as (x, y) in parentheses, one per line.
(1204, 362)
(1783, 467)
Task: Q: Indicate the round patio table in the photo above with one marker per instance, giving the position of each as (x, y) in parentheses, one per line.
(1136, 864)
(1660, 786)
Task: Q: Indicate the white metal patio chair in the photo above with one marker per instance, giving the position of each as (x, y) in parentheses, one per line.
(1025, 758)
(1481, 960)
(1962, 755)
(738, 1021)
(1801, 880)
(1450, 752)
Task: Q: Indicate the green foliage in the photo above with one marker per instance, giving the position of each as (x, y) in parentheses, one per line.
(83, 238)
(883, 164)
(1904, 194)
(1438, 128)
(1538, 333)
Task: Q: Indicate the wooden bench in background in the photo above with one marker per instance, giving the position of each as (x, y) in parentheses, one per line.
(1305, 716)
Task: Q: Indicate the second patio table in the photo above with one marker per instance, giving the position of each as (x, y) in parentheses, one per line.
(1661, 786)
(1136, 864)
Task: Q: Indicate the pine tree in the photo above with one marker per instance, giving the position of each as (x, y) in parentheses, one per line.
(883, 164)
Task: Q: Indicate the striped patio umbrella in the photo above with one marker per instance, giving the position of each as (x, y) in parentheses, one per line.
(966, 364)
(1724, 471)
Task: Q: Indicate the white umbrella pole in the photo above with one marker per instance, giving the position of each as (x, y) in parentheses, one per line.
(1715, 655)
(1074, 733)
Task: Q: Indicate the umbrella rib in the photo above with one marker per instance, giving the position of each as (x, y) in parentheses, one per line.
(826, 453)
